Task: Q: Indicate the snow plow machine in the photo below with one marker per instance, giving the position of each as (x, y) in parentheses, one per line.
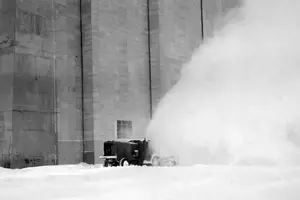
(125, 152)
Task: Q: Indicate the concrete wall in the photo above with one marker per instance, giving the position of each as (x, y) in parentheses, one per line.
(180, 33)
(7, 17)
(34, 133)
(116, 71)
(45, 76)
(41, 71)
(175, 28)
(67, 30)
(213, 12)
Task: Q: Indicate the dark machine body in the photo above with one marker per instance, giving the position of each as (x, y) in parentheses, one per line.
(124, 152)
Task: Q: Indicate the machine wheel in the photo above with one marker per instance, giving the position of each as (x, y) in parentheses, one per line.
(109, 163)
(124, 162)
(106, 164)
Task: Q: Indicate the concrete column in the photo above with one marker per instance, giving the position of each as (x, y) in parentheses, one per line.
(88, 81)
(155, 53)
(116, 70)
(176, 32)
(68, 74)
(7, 35)
(40, 60)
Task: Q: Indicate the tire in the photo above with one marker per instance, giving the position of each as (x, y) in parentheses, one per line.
(109, 163)
(124, 162)
(106, 163)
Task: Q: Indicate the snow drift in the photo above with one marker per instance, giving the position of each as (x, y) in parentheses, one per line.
(238, 98)
(148, 183)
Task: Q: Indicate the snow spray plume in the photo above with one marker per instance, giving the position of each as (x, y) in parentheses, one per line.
(238, 98)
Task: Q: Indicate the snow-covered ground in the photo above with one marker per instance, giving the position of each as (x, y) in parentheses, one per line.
(84, 182)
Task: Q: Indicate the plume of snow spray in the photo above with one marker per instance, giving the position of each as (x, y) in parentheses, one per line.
(238, 98)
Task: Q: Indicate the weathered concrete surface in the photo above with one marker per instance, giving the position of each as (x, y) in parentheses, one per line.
(88, 80)
(34, 134)
(68, 75)
(180, 33)
(213, 12)
(154, 42)
(116, 72)
(7, 18)
(43, 81)
(176, 31)
(41, 71)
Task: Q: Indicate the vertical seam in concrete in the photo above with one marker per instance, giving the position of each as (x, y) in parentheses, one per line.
(149, 57)
(82, 81)
(202, 25)
(54, 87)
(13, 81)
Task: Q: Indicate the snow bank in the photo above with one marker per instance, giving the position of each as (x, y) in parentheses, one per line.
(143, 183)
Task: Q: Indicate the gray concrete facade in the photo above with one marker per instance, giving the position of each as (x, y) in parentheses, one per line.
(69, 69)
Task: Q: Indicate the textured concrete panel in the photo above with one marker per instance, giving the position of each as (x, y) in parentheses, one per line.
(6, 137)
(6, 92)
(180, 34)
(228, 5)
(213, 13)
(69, 124)
(7, 5)
(155, 54)
(70, 152)
(212, 10)
(88, 77)
(7, 63)
(25, 64)
(6, 81)
(7, 43)
(43, 8)
(68, 8)
(37, 96)
(116, 73)
(68, 80)
(7, 19)
(67, 44)
(34, 136)
(98, 150)
(34, 32)
(41, 69)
